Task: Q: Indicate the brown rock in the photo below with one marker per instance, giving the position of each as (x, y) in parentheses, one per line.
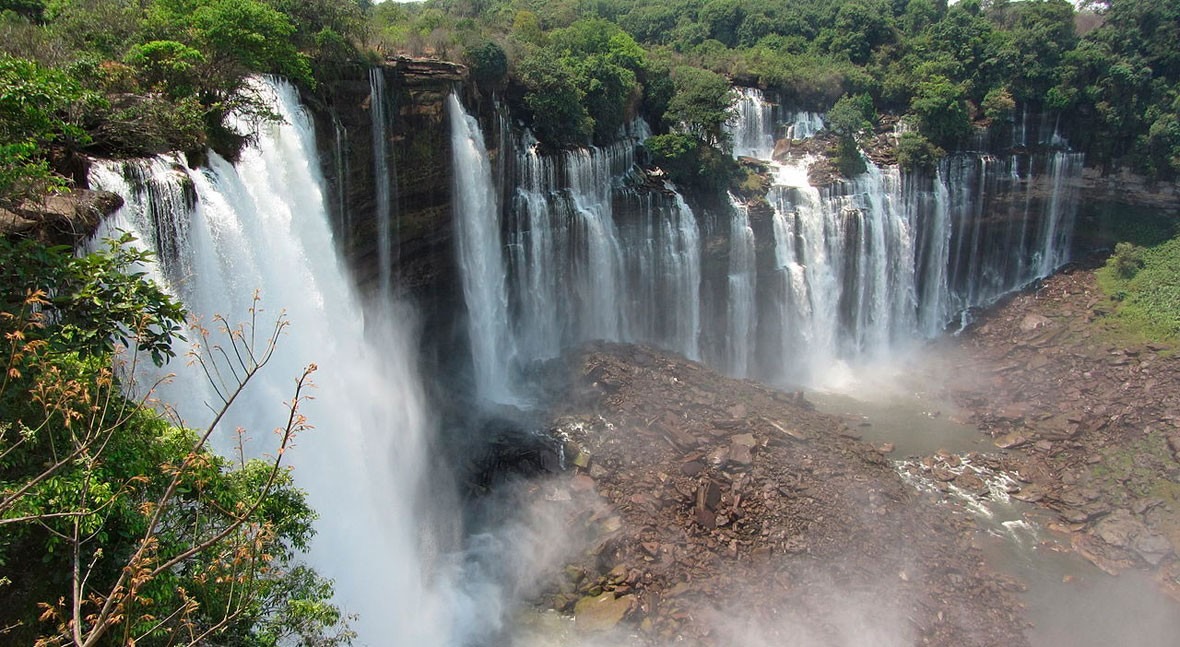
(740, 455)
(1011, 440)
(601, 613)
(1033, 321)
(582, 483)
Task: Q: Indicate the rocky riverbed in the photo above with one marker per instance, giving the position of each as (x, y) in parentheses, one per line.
(717, 512)
(1088, 426)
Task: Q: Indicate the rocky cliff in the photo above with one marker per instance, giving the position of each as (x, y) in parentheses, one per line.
(401, 114)
(60, 219)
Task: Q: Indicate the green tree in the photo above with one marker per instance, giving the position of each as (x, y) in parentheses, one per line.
(850, 119)
(168, 66)
(701, 106)
(690, 163)
(39, 108)
(1042, 34)
(554, 102)
(916, 153)
(605, 62)
(940, 110)
(860, 27)
(118, 527)
(488, 63)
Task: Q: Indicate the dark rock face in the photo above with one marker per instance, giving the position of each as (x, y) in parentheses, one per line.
(417, 145)
(1125, 187)
(65, 219)
(417, 153)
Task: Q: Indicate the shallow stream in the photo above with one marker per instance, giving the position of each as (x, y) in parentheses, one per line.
(1069, 601)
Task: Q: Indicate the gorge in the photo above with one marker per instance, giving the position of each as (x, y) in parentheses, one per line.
(589, 322)
(516, 258)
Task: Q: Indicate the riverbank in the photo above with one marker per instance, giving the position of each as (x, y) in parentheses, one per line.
(717, 511)
(1088, 423)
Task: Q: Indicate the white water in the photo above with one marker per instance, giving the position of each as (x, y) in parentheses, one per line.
(580, 271)
(752, 129)
(859, 267)
(477, 233)
(262, 225)
(866, 264)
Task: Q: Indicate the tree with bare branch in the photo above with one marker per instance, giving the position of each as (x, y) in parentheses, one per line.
(118, 525)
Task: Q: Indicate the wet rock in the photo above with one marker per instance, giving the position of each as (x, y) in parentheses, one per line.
(601, 613)
(1033, 321)
(582, 483)
(1011, 440)
(942, 473)
(717, 457)
(756, 511)
(972, 483)
(708, 495)
(1120, 529)
(1029, 494)
(1153, 548)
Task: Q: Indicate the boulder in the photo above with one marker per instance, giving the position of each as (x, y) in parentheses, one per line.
(601, 613)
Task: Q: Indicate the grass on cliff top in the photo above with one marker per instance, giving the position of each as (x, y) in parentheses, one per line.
(1143, 284)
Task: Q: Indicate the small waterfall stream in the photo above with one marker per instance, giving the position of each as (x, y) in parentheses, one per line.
(477, 232)
(742, 279)
(383, 180)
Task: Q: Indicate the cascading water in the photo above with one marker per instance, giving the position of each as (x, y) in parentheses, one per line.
(477, 231)
(756, 122)
(752, 130)
(858, 266)
(863, 264)
(262, 225)
(580, 272)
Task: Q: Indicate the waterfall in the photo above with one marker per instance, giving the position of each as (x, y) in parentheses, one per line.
(756, 124)
(842, 293)
(592, 258)
(263, 225)
(477, 232)
(752, 131)
(804, 125)
(813, 281)
(865, 264)
(383, 180)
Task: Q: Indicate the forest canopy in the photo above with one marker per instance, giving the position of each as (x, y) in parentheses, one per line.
(135, 77)
(1109, 70)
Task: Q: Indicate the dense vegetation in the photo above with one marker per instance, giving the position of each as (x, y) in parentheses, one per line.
(139, 77)
(116, 525)
(130, 77)
(1111, 71)
(1145, 295)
